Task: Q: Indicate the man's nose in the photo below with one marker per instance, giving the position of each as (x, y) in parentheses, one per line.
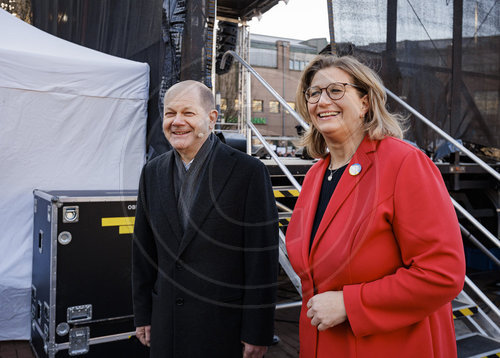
(178, 120)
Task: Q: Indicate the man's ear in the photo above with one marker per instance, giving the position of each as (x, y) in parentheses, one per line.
(213, 118)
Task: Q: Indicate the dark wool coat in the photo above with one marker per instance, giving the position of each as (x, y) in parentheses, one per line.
(206, 289)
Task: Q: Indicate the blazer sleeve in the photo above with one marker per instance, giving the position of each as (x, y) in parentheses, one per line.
(426, 228)
(260, 260)
(144, 259)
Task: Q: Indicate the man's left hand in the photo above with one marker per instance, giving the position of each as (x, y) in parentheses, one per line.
(251, 351)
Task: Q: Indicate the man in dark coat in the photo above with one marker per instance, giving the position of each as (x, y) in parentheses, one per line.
(205, 251)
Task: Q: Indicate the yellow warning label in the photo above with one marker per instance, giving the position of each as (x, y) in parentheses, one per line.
(463, 312)
(127, 229)
(286, 193)
(125, 223)
(118, 221)
(466, 312)
(284, 222)
(494, 355)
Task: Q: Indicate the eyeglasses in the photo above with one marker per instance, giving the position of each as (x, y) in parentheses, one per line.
(335, 90)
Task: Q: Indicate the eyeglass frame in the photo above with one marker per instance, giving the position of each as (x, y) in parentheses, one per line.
(324, 88)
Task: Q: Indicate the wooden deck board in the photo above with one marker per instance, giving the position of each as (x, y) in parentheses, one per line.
(287, 329)
(15, 349)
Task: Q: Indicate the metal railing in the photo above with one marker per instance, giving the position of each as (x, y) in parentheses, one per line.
(482, 296)
(273, 155)
(266, 86)
(467, 152)
(283, 257)
(445, 135)
(476, 223)
(467, 235)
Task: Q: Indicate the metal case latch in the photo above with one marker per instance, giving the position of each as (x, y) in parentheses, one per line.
(79, 313)
(79, 341)
(70, 214)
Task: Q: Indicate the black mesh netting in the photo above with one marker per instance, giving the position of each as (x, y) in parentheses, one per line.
(457, 91)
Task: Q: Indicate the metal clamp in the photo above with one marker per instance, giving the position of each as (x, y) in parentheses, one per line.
(79, 341)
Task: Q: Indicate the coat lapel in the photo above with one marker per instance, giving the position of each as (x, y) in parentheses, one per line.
(311, 207)
(215, 177)
(167, 194)
(344, 188)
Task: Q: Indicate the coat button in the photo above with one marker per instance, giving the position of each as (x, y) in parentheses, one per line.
(179, 301)
(178, 265)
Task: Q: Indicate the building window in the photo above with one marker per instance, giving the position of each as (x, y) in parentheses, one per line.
(236, 103)
(297, 65)
(263, 57)
(291, 104)
(257, 105)
(223, 104)
(274, 107)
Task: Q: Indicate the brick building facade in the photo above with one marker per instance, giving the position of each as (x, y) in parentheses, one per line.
(280, 62)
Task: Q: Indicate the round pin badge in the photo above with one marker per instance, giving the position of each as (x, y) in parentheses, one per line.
(355, 169)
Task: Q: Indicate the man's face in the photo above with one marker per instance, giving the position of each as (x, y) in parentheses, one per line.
(186, 123)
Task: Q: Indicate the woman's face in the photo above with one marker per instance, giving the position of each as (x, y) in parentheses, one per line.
(341, 119)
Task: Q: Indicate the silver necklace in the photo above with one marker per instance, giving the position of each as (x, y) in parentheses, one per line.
(332, 171)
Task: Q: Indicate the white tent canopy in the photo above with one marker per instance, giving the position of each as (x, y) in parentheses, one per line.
(71, 118)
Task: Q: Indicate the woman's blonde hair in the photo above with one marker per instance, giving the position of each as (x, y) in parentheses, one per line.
(379, 122)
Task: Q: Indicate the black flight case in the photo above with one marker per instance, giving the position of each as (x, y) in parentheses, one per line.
(81, 300)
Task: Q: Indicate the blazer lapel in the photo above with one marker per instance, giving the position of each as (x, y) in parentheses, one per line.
(345, 187)
(215, 177)
(167, 194)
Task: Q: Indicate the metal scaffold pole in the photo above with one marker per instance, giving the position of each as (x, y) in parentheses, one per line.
(245, 96)
(331, 27)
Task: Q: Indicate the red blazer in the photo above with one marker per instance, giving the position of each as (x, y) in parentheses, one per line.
(390, 240)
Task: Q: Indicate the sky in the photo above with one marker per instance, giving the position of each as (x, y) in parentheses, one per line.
(299, 19)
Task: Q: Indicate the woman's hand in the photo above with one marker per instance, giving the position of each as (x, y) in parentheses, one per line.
(327, 309)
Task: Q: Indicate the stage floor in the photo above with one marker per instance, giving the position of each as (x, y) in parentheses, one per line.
(286, 328)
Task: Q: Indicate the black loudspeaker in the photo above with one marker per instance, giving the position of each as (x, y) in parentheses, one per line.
(227, 35)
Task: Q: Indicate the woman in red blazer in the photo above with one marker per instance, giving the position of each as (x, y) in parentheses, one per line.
(373, 236)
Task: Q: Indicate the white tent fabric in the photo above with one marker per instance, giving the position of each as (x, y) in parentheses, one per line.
(71, 118)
